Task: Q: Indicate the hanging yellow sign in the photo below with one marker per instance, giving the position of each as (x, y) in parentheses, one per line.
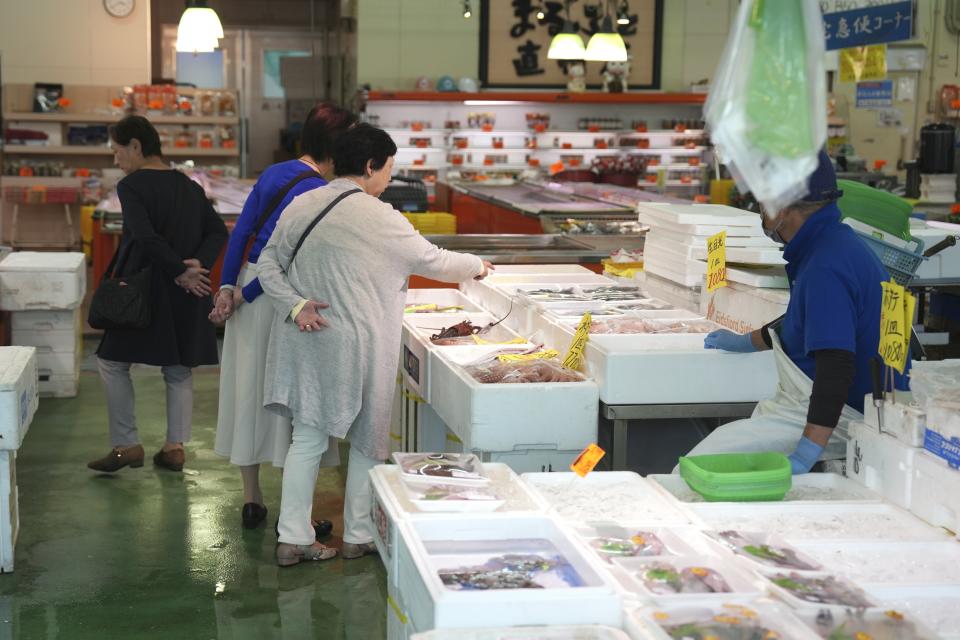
(896, 319)
(717, 261)
(863, 63)
(574, 358)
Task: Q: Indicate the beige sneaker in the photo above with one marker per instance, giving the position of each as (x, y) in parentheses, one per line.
(351, 551)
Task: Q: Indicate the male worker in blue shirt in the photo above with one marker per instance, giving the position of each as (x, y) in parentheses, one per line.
(824, 343)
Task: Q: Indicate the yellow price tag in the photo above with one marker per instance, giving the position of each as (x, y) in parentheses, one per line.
(417, 308)
(863, 63)
(587, 460)
(480, 340)
(523, 357)
(717, 261)
(896, 318)
(574, 358)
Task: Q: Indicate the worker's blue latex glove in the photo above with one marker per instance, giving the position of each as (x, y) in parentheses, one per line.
(805, 456)
(729, 341)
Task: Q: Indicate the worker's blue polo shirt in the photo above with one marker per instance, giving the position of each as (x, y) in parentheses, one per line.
(835, 297)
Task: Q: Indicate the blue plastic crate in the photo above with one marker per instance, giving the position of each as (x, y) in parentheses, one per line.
(901, 263)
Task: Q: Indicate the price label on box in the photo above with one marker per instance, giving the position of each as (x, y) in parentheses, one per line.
(587, 460)
(896, 318)
(717, 261)
(574, 358)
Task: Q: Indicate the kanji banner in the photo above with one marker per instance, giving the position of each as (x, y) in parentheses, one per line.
(514, 42)
(868, 25)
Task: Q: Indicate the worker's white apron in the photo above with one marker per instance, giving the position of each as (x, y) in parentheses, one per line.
(778, 423)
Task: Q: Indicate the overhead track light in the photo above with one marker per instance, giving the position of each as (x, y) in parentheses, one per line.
(467, 11)
(623, 13)
(567, 45)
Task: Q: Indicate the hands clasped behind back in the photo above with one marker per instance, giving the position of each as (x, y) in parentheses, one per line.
(309, 318)
(195, 279)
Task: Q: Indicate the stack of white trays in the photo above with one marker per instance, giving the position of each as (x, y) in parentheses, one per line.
(18, 403)
(44, 292)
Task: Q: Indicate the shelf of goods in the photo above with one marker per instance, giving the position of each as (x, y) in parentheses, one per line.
(18, 404)
(649, 559)
(83, 150)
(44, 292)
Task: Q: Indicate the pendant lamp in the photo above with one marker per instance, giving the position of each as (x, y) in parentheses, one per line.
(566, 45)
(199, 30)
(606, 45)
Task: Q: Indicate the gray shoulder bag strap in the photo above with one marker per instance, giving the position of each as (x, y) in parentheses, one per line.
(315, 221)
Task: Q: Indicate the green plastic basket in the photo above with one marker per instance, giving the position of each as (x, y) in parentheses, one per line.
(880, 209)
(738, 477)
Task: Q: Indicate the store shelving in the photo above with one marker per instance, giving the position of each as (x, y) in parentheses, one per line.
(79, 150)
(94, 118)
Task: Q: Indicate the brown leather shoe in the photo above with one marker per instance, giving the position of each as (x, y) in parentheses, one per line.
(172, 460)
(118, 458)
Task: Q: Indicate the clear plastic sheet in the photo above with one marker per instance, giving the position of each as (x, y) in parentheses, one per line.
(496, 372)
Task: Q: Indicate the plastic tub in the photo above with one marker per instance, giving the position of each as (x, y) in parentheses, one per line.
(806, 488)
(738, 477)
(880, 209)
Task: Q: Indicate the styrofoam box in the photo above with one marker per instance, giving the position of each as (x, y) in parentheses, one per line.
(742, 583)
(579, 632)
(616, 342)
(660, 232)
(643, 623)
(399, 625)
(702, 214)
(431, 605)
(538, 459)
(541, 269)
(32, 280)
(799, 522)
(943, 419)
(659, 369)
(880, 462)
(441, 298)
(19, 394)
(746, 255)
(606, 496)
(935, 492)
(45, 321)
(935, 606)
(498, 417)
(391, 505)
(901, 419)
(742, 308)
(9, 509)
(669, 272)
(895, 563)
(416, 344)
(807, 488)
(59, 386)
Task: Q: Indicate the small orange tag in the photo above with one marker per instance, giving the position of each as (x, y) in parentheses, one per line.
(556, 168)
(587, 460)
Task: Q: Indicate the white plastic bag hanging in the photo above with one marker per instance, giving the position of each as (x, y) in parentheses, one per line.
(767, 107)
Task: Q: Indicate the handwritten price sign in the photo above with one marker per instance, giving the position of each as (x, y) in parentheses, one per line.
(574, 358)
(717, 261)
(896, 318)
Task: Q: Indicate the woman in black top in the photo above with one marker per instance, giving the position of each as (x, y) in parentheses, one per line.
(169, 227)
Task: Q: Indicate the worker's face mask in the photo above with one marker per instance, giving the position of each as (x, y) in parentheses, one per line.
(774, 232)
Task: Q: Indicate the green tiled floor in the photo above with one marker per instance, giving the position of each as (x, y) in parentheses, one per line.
(148, 553)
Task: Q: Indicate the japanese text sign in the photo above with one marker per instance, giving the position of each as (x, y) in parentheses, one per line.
(896, 320)
(868, 25)
(574, 358)
(717, 261)
(875, 95)
(863, 63)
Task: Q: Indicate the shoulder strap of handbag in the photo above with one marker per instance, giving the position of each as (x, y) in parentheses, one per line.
(279, 196)
(320, 216)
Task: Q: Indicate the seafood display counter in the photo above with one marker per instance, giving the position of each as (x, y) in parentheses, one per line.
(491, 555)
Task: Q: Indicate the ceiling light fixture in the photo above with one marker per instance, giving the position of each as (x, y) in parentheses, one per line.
(567, 45)
(606, 45)
(199, 30)
(467, 12)
(623, 13)
(540, 14)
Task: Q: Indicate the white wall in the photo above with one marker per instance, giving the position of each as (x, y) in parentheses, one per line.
(73, 42)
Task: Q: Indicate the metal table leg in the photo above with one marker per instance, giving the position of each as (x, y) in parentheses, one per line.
(620, 444)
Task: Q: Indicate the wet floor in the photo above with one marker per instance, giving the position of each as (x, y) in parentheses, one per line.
(149, 553)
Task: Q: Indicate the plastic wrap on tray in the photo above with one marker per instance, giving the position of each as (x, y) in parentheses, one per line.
(440, 466)
(663, 578)
(642, 543)
(639, 326)
(822, 590)
(733, 622)
(754, 546)
(860, 625)
(496, 372)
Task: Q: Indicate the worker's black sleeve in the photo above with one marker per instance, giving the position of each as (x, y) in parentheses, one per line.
(766, 329)
(835, 371)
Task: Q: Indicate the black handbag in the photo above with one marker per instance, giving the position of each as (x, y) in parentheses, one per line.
(122, 302)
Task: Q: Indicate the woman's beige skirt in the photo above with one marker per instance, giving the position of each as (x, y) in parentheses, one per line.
(246, 432)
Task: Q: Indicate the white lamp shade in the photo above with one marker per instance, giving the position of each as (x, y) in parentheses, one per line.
(566, 46)
(199, 30)
(606, 47)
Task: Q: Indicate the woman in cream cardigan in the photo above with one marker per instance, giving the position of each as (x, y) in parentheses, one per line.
(338, 282)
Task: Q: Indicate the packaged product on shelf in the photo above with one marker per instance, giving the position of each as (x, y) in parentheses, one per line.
(226, 103)
(206, 104)
(166, 137)
(185, 105)
(449, 467)
(184, 139)
(766, 550)
(155, 95)
(205, 140)
(449, 493)
(822, 589)
(141, 98)
(227, 136)
(169, 94)
(530, 371)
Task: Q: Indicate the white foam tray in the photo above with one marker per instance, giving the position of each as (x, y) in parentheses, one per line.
(798, 522)
(746, 255)
(880, 462)
(761, 277)
(809, 488)
(391, 505)
(498, 417)
(619, 497)
(935, 606)
(703, 214)
(668, 271)
(742, 583)
(441, 298)
(888, 563)
(40, 281)
(662, 232)
(432, 606)
(935, 492)
(643, 623)
(19, 394)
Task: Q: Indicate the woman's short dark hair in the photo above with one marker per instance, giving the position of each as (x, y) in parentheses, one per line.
(325, 122)
(361, 144)
(140, 128)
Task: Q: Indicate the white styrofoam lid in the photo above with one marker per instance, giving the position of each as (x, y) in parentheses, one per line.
(13, 360)
(42, 261)
(702, 214)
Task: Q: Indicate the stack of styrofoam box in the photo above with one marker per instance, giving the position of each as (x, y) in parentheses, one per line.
(941, 188)
(675, 248)
(18, 404)
(44, 292)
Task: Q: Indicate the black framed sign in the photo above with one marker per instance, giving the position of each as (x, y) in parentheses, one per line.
(514, 42)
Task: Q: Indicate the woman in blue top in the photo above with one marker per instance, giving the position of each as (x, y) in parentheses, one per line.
(247, 433)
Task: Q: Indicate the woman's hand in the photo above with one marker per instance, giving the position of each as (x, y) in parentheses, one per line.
(238, 298)
(223, 307)
(487, 268)
(195, 279)
(309, 318)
